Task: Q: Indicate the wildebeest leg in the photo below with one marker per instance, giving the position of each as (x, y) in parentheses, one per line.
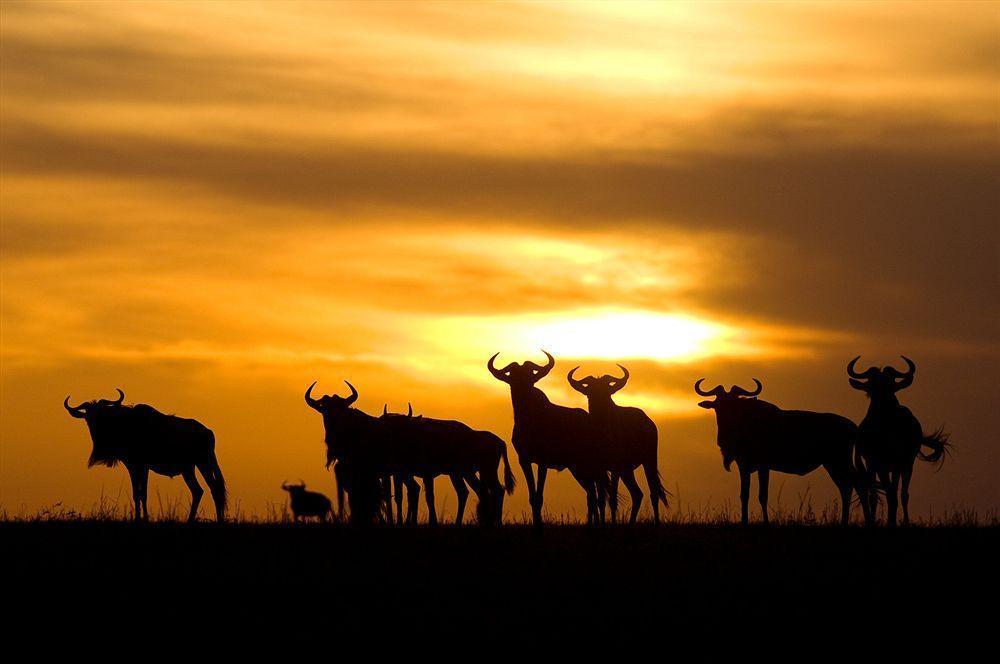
(412, 500)
(885, 479)
(628, 479)
(891, 493)
(591, 490)
(387, 497)
(744, 495)
(540, 493)
(463, 495)
(138, 478)
(341, 481)
(397, 487)
(845, 477)
(613, 497)
(212, 475)
(905, 495)
(655, 487)
(196, 492)
(432, 518)
(763, 475)
(529, 480)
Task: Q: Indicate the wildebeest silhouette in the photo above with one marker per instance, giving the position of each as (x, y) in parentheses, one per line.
(143, 439)
(307, 503)
(374, 450)
(353, 442)
(551, 436)
(760, 437)
(428, 447)
(890, 435)
(630, 437)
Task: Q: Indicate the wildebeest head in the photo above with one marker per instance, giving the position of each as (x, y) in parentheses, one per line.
(598, 386)
(525, 374)
(337, 414)
(881, 383)
(294, 488)
(331, 403)
(730, 411)
(91, 410)
(395, 423)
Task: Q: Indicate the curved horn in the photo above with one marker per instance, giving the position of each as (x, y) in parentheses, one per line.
(716, 391)
(853, 373)
(904, 380)
(385, 409)
(574, 383)
(622, 380)
(121, 397)
(354, 394)
(409, 409)
(548, 367)
(75, 411)
(738, 391)
(313, 403)
(493, 370)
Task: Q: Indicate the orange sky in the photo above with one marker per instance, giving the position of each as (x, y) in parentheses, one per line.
(211, 205)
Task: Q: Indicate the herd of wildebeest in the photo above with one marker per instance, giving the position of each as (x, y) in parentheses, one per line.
(374, 458)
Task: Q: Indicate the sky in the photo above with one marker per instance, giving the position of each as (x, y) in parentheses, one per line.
(211, 205)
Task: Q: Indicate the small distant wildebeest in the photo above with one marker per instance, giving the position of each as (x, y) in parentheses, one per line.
(144, 439)
(760, 437)
(307, 503)
(551, 436)
(630, 437)
(890, 435)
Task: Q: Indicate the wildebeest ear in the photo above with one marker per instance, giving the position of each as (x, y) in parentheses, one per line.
(858, 385)
(707, 404)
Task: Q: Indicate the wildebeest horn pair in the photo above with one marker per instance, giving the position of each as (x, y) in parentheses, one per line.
(580, 385)
(409, 409)
(537, 371)
(902, 379)
(80, 411)
(315, 403)
(734, 391)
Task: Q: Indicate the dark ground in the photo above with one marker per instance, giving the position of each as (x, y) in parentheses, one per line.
(607, 585)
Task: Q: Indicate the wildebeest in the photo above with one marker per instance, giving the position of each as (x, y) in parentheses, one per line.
(144, 439)
(353, 441)
(307, 503)
(373, 450)
(630, 437)
(551, 436)
(760, 437)
(428, 447)
(890, 435)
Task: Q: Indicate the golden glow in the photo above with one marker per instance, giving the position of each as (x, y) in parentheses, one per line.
(213, 204)
(599, 334)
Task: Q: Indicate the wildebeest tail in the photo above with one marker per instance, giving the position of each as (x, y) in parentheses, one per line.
(655, 480)
(939, 445)
(661, 491)
(508, 477)
(213, 476)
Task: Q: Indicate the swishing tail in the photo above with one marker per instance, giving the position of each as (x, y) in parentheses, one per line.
(655, 480)
(938, 442)
(508, 477)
